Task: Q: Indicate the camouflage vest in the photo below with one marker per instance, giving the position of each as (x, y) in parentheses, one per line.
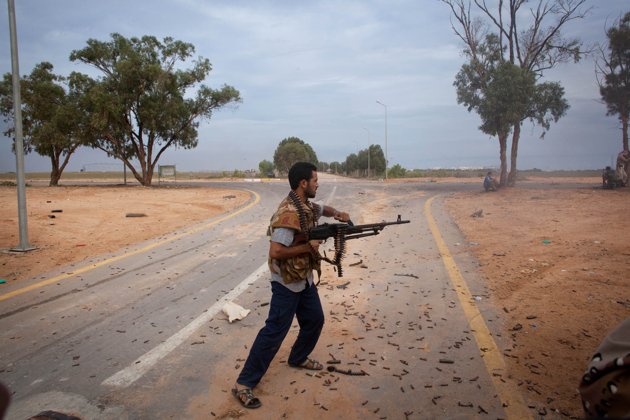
(288, 216)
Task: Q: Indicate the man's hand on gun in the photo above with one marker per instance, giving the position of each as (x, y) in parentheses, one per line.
(342, 216)
(314, 245)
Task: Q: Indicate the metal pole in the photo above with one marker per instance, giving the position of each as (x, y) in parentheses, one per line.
(368, 151)
(19, 142)
(386, 160)
(356, 142)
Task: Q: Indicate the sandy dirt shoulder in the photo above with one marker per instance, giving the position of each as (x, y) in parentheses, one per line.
(557, 262)
(71, 224)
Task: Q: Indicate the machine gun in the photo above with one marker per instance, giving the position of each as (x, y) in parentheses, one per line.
(342, 232)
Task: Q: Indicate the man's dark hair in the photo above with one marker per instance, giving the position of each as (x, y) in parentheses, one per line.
(300, 171)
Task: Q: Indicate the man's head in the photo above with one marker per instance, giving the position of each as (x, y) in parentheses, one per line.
(489, 173)
(304, 175)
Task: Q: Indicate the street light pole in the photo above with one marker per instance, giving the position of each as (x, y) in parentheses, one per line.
(356, 142)
(368, 151)
(19, 142)
(386, 161)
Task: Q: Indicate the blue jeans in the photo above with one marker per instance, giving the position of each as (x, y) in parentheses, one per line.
(284, 305)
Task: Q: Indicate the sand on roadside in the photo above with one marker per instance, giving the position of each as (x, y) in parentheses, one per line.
(72, 223)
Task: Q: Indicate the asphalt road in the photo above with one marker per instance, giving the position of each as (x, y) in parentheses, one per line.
(138, 334)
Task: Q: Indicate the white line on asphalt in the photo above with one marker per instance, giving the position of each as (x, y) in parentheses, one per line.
(144, 363)
(330, 197)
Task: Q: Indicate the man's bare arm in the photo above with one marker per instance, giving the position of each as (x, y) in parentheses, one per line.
(341, 216)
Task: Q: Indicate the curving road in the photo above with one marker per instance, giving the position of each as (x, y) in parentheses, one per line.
(138, 334)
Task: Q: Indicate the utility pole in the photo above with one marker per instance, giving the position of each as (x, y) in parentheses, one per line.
(368, 151)
(19, 142)
(386, 160)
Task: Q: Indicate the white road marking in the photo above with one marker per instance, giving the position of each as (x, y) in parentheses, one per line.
(332, 194)
(144, 363)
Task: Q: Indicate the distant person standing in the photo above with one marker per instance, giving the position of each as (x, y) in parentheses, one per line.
(609, 178)
(489, 183)
(623, 158)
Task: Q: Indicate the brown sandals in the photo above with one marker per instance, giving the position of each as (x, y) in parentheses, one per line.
(309, 364)
(246, 397)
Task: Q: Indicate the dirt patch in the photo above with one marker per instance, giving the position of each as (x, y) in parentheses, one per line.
(70, 224)
(557, 261)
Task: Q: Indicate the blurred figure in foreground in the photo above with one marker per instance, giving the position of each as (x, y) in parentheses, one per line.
(605, 386)
(5, 399)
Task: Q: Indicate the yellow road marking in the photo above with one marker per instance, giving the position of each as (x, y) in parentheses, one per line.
(87, 268)
(514, 405)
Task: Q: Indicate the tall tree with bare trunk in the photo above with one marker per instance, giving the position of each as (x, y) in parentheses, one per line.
(54, 120)
(537, 48)
(497, 90)
(146, 102)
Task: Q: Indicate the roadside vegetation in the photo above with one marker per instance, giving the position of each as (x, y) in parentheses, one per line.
(8, 178)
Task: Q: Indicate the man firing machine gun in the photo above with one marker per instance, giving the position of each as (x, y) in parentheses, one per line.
(293, 256)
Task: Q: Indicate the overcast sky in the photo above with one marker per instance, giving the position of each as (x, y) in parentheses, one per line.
(315, 70)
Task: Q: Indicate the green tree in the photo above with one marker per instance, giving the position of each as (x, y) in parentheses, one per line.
(265, 168)
(336, 167)
(362, 162)
(290, 151)
(54, 120)
(539, 47)
(506, 99)
(613, 71)
(358, 162)
(396, 171)
(351, 164)
(377, 160)
(145, 103)
(497, 90)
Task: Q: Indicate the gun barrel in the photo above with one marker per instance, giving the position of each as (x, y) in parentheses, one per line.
(377, 225)
(361, 235)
